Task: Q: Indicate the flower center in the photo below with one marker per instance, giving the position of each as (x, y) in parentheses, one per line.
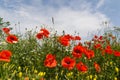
(68, 62)
(12, 38)
(77, 51)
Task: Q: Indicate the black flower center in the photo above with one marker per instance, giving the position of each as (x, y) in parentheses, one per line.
(12, 38)
(77, 51)
(68, 62)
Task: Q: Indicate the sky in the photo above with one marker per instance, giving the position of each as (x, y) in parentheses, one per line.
(82, 16)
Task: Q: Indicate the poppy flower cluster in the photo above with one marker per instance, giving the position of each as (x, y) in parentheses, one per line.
(43, 33)
(79, 50)
(98, 42)
(73, 60)
(11, 38)
(68, 62)
(65, 39)
(110, 51)
(46, 56)
(5, 55)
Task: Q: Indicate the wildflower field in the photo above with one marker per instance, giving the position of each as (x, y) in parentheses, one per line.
(47, 55)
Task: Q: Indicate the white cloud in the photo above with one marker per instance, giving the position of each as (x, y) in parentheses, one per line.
(66, 18)
(80, 21)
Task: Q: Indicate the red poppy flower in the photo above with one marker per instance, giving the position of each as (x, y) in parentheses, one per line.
(89, 54)
(108, 50)
(68, 63)
(45, 32)
(101, 37)
(97, 46)
(12, 39)
(95, 36)
(81, 67)
(5, 55)
(64, 41)
(77, 51)
(39, 35)
(6, 30)
(117, 53)
(69, 37)
(97, 67)
(50, 61)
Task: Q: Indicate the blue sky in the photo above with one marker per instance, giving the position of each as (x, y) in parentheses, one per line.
(111, 8)
(82, 16)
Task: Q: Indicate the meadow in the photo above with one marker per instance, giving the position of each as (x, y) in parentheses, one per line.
(47, 55)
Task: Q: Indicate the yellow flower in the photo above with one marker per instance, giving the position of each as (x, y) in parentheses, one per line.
(116, 69)
(115, 78)
(91, 76)
(94, 78)
(41, 74)
(69, 74)
(35, 71)
(20, 74)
